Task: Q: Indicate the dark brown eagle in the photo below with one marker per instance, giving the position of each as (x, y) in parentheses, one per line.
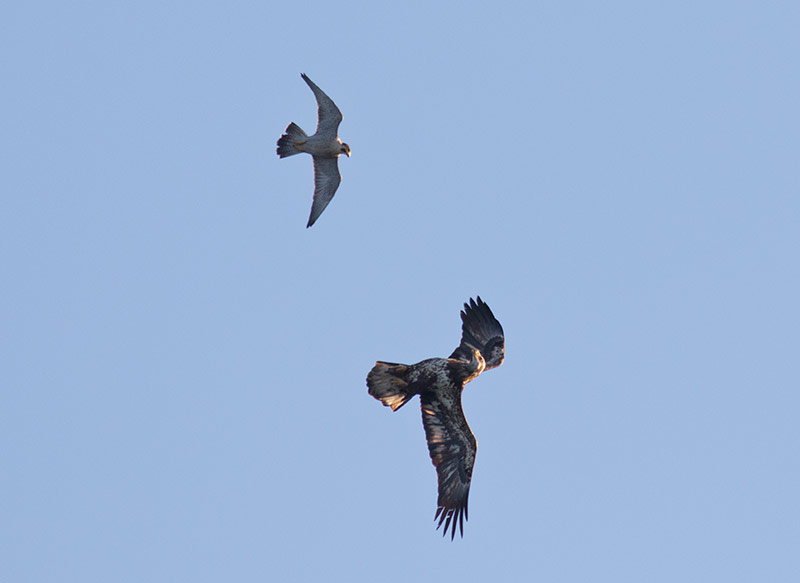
(439, 383)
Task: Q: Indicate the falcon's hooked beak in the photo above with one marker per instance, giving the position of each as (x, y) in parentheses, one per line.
(345, 149)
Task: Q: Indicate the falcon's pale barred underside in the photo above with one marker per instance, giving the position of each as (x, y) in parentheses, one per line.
(324, 146)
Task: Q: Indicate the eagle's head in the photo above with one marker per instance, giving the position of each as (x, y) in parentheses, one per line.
(345, 149)
(477, 363)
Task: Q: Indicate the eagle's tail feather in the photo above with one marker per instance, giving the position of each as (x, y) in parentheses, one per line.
(286, 143)
(386, 382)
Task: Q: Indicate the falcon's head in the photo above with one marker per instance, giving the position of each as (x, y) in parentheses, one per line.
(345, 149)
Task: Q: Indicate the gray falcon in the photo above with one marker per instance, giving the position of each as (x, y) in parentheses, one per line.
(439, 383)
(324, 146)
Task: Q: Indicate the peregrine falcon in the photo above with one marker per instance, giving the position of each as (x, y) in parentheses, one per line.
(439, 383)
(324, 146)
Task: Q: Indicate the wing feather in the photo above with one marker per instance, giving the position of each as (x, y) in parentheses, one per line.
(452, 447)
(480, 330)
(328, 115)
(326, 181)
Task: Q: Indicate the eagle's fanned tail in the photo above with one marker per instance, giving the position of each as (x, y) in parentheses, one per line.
(386, 382)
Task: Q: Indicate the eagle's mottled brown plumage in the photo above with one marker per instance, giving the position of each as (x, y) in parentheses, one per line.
(439, 383)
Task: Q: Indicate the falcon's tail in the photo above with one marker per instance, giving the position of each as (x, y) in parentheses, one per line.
(286, 143)
(386, 382)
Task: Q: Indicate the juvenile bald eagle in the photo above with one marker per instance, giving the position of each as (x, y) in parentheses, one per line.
(439, 383)
(324, 146)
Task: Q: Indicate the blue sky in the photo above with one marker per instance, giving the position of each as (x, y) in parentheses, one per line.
(184, 362)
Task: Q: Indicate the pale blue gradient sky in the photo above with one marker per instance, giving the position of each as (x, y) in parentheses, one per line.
(183, 362)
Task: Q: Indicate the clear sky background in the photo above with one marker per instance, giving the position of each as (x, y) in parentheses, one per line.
(183, 362)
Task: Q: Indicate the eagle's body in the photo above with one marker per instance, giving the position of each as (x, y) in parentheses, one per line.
(324, 146)
(439, 382)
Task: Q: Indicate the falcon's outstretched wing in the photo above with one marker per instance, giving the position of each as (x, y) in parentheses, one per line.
(480, 330)
(452, 447)
(326, 181)
(329, 116)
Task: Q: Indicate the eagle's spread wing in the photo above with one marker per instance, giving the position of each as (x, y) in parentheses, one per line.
(480, 330)
(326, 181)
(329, 116)
(452, 447)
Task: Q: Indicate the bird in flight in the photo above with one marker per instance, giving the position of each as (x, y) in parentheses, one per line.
(324, 146)
(439, 383)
